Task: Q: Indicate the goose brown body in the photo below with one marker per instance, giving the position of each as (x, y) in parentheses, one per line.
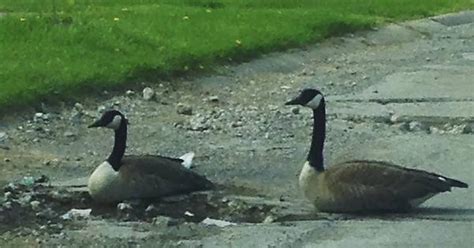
(361, 185)
(358, 186)
(144, 176)
(139, 176)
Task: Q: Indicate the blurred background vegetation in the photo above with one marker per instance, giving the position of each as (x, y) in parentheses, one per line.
(52, 49)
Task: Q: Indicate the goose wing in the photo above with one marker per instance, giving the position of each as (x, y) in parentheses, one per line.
(163, 174)
(386, 185)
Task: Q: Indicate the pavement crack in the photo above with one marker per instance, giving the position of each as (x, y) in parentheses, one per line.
(407, 100)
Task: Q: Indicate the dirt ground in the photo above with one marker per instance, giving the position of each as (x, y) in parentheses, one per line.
(389, 97)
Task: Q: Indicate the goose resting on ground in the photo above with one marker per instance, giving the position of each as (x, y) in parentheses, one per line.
(139, 176)
(360, 185)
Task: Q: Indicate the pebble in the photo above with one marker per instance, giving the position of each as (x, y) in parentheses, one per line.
(148, 93)
(394, 118)
(161, 221)
(7, 195)
(69, 134)
(40, 117)
(214, 98)
(199, 124)
(456, 129)
(124, 206)
(415, 126)
(295, 110)
(184, 109)
(52, 162)
(78, 107)
(151, 209)
(269, 219)
(435, 130)
(101, 109)
(3, 136)
(236, 124)
(130, 92)
(35, 205)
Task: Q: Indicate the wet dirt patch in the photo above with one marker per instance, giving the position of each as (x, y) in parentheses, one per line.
(33, 204)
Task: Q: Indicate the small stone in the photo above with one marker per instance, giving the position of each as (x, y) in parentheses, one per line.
(35, 205)
(69, 134)
(3, 137)
(6, 160)
(52, 162)
(75, 214)
(457, 129)
(39, 117)
(161, 221)
(213, 98)
(151, 209)
(101, 109)
(24, 200)
(199, 124)
(7, 195)
(269, 219)
(415, 126)
(130, 93)
(124, 207)
(435, 130)
(295, 110)
(78, 107)
(8, 205)
(148, 93)
(184, 109)
(236, 124)
(394, 118)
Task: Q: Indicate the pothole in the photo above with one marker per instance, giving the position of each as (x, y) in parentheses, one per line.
(34, 204)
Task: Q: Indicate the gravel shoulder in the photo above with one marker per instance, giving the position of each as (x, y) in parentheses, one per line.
(403, 93)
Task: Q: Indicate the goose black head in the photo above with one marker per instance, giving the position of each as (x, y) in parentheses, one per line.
(308, 97)
(110, 119)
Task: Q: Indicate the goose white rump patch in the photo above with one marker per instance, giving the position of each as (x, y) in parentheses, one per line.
(187, 159)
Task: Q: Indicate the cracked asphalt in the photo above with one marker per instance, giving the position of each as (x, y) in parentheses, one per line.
(402, 93)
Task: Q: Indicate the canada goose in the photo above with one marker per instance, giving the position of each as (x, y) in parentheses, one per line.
(359, 185)
(146, 176)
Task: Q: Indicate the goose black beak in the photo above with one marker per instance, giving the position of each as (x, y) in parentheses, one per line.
(295, 101)
(95, 124)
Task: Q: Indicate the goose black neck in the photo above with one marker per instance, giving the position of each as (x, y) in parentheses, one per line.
(115, 158)
(315, 156)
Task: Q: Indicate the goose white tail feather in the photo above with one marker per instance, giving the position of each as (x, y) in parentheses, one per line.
(187, 159)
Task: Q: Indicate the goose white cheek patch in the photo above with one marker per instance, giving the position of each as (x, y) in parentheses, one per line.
(315, 102)
(115, 123)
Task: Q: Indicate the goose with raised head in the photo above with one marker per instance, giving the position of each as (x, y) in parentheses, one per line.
(361, 185)
(122, 177)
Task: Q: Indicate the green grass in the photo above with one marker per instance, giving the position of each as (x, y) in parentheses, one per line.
(74, 47)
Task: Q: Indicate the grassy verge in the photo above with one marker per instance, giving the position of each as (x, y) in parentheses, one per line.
(70, 47)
